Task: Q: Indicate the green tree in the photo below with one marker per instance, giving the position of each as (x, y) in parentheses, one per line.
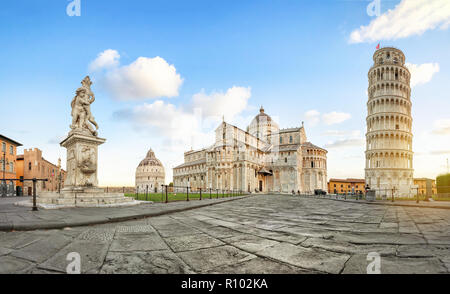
(443, 185)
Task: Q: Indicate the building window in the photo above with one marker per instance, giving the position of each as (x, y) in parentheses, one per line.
(285, 159)
(290, 139)
(11, 150)
(29, 165)
(281, 140)
(312, 163)
(11, 167)
(4, 147)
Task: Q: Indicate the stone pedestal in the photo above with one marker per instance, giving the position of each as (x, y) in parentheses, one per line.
(371, 195)
(81, 184)
(82, 155)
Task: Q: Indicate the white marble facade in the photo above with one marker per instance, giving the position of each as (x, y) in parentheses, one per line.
(389, 155)
(261, 159)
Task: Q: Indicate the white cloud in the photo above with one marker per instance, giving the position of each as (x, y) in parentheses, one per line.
(218, 104)
(422, 73)
(408, 18)
(106, 59)
(336, 133)
(442, 127)
(145, 78)
(350, 142)
(334, 117)
(313, 117)
(179, 128)
(330, 118)
(184, 127)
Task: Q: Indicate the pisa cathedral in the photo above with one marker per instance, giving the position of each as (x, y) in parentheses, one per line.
(389, 155)
(263, 158)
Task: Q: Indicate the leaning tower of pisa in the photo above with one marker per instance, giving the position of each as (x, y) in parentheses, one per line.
(389, 153)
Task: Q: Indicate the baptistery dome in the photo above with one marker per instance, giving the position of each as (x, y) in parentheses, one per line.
(150, 174)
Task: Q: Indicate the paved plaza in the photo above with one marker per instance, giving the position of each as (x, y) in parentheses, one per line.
(258, 234)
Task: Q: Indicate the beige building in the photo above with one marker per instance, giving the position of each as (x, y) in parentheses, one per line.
(346, 186)
(33, 165)
(150, 174)
(263, 158)
(425, 186)
(389, 154)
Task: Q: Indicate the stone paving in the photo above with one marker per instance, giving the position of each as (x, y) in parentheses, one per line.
(20, 218)
(261, 234)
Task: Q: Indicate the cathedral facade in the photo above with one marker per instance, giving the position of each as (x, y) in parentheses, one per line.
(263, 158)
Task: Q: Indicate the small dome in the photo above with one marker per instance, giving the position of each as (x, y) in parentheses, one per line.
(150, 160)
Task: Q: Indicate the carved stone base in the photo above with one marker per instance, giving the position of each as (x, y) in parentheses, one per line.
(84, 197)
(82, 154)
(81, 184)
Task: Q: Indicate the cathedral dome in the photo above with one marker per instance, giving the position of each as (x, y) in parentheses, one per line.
(261, 117)
(262, 126)
(150, 160)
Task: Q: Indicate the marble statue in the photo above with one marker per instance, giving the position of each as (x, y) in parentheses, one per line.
(81, 183)
(81, 108)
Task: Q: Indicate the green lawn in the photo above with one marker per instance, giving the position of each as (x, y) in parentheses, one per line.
(159, 197)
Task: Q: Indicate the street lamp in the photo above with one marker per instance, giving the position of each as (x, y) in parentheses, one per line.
(4, 176)
(59, 182)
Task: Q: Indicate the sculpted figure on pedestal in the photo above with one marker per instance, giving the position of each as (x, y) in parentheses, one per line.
(81, 108)
(87, 165)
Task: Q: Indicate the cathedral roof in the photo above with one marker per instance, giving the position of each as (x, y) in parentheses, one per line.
(190, 163)
(289, 147)
(150, 160)
(310, 145)
(290, 130)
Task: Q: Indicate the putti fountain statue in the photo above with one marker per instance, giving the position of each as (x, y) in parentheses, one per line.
(81, 184)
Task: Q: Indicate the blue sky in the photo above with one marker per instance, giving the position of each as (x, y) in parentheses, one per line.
(292, 57)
